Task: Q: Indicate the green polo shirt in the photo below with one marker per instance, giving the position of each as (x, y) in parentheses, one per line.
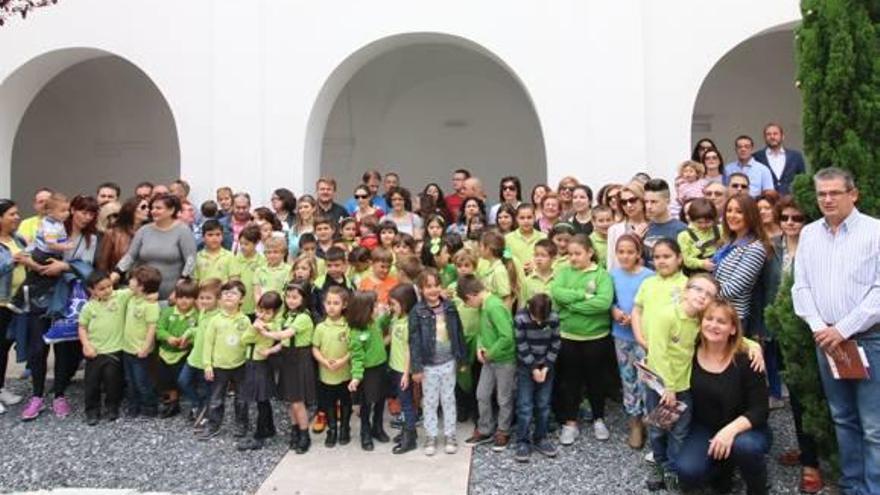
(224, 347)
(140, 315)
(245, 269)
(104, 321)
(523, 248)
(331, 338)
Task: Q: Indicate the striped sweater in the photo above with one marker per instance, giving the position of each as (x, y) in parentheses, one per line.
(537, 345)
(738, 272)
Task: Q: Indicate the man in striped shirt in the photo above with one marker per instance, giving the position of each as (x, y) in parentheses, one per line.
(837, 292)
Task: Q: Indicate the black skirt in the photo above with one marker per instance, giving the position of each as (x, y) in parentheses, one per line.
(372, 387)
(296, 375)
(258, 385)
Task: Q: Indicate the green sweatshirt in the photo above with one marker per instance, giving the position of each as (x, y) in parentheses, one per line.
(496, 330)
(196, 335)
(173, 323)
(224, 348)
(304, 327)
(255, 342)
(367, 347)
(583, 300)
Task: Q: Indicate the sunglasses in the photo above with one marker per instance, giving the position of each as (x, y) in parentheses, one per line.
(629, 201)
(508, 187)
(739, 186)
(791, 218)
(566, 189)
(144, 207)
(713, 194)
(361, 196)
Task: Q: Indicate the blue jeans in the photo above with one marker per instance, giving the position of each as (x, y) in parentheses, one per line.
(194, 386)
(855, 410)
(532, 397)
(667, 444)
(139, 390)
(695, 467)
(405, 397)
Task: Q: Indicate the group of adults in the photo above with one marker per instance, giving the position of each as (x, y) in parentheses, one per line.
(834, 260)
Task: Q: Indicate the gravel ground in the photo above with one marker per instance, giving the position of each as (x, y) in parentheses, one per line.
(606, 468)
(141, 454)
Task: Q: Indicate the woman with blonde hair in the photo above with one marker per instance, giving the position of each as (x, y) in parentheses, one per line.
(632, 202)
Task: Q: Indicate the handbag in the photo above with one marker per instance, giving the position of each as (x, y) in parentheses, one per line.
(65, 328)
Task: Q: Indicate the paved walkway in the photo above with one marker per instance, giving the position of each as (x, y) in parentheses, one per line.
(349, 469)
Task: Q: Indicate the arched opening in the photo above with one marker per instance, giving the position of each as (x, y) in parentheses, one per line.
(99, 119)
(751, 85)
(423, 105)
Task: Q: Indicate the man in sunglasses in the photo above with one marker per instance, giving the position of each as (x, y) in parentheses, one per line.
(738, 183)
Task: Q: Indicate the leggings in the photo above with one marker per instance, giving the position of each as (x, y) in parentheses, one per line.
(583, 364)
(67, 358)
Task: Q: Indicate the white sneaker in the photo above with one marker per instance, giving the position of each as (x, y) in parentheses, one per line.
(430, 446)
(2, 408)
(568, 435)
(8, 398)
(600, 430)
(451, 444)
(649, 457)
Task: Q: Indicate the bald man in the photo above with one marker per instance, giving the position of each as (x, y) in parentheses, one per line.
(473, 187)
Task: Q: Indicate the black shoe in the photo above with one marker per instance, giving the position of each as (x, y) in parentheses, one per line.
(92, 419)
(241, 430)
(208, 433)
(304, 442)
(397, 438)
(112, 415)
(366, 440)
(407, 442)
(379, 434)
(250, 444)
(294, 437)
(330, 441)
(344, 435)
(169, 410)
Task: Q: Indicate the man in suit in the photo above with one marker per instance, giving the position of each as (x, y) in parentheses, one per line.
(783, 163)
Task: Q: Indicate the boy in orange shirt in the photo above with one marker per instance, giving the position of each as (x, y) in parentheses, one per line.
(380, 280)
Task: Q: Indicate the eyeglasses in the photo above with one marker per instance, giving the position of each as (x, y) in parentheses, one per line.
(791, 218)
(831, 194)
(629, 201)
(701, 290)
(230, 292)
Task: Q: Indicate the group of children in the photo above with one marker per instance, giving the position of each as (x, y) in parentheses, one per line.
(502, 329)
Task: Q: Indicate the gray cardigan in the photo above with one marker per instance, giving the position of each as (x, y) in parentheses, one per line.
(172, 252)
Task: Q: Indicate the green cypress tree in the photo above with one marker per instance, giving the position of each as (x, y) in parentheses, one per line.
(838, 50)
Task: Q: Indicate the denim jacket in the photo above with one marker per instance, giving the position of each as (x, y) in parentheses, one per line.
(7, 266)
(423, 334)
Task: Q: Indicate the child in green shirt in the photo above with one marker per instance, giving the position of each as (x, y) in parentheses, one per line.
(213, 261)
(139, 335)
(603, 219)
(224, 356)
(100, 331)
(496, 352)
(368, 370)
(465, 262)
(538, 280)
(499, 275)
(330, 347)
(401, 300)
(259, 382)
(582, 294)
(191, 379)
(246, 264)
(276, 273)
(702, 237)
(174, 322)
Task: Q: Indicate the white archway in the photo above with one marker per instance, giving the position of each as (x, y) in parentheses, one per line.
(424, 104)
(751, 85)
(74, 117)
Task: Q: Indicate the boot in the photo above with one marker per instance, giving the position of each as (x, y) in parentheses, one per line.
(378, 431)
(397, 438)
(345, 425)
(636, 438)
(295, 433)
(241, 419)
(304, 442)
(331, 428)
(407, 442)
(366, 436)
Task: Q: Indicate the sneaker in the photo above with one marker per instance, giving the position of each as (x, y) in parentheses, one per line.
(477, 439)
(451, 444)
(523, 452)
(649, 457)
(8, 398)
(600, 431)
(430, 446)
(547, 448)
(320, 423)
(502, 439)
(61, 407)
(656, 479)
(33, 409)
(569, 434)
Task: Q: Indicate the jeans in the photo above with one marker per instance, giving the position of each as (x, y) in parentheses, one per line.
(139, 389)
(855, 410)
(498, 378)
(695, 467)
(219, 388)
(406, 399)
(194, 386)
(532, 397)
(666, 444)
(773, 361)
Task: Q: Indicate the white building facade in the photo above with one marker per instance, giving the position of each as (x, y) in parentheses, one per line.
(273, 93)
